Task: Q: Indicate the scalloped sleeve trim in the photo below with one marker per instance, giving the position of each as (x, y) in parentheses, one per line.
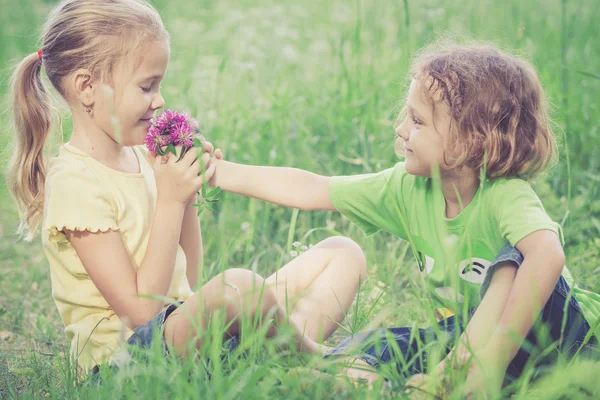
(56, 234)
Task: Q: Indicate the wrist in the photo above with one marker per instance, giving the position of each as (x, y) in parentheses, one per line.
(166, 203)
(503, 348)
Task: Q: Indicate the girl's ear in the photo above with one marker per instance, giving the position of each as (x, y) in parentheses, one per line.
(84, 85)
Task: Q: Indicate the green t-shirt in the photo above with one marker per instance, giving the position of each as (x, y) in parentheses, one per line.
(453, 254)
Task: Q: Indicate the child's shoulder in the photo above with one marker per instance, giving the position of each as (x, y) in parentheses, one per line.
(69, 163)
(509, 194)
(509, 187)
(70, 171)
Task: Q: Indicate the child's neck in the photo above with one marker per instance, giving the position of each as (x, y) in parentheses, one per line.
(96, 143)
(459, 190)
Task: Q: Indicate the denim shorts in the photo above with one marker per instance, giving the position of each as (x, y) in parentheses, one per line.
(406, 349)
(144, 335)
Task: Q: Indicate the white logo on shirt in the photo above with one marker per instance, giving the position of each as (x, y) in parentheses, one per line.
(428, 265)
(474, 270)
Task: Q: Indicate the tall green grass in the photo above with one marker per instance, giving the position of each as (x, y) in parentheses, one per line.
(314, 85)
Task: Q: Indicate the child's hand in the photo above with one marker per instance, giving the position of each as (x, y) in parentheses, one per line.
(178, 181)
(486, 373)
(424, 386)
(218, 155)
(439, 382)
(208, 149)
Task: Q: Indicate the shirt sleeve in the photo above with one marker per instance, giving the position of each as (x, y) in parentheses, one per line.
(78, 202)
(520, 211)
(372, 201)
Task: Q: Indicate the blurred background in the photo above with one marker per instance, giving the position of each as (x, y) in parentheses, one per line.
(316, 85)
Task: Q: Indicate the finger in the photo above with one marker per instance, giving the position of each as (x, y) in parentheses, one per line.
(421, 384)
(199, 180)
(210, 162)
(190, 157)
(200, 164)
(415, 381)
(173, 158)
(156, 160)
(439, 369)
(208, 147)
(204, 161)
(210, 171)
(218, 154)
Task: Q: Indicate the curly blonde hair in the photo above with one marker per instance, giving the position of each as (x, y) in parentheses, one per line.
(89, 34)
(499, 115)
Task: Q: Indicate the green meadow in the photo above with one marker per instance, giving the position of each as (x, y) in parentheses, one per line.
(315, 85)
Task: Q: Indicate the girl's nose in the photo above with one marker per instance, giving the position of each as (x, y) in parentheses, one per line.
(158, 102)
(401, 130)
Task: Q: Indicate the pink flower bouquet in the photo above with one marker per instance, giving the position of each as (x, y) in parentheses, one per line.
(171, 129)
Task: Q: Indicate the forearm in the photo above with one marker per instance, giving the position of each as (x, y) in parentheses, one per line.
(156, 270)
(191, 243)
(288, 187)
(487, 316)
(534, 283)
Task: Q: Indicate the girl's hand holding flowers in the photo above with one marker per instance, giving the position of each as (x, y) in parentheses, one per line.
(173, 138)
(179, 177)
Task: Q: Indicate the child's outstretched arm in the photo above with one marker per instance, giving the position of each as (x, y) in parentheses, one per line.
(290, 187)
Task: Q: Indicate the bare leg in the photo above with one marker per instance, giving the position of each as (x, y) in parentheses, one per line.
(320, 285)
(238, 293)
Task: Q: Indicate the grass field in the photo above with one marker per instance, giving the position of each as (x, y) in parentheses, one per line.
(314, 85)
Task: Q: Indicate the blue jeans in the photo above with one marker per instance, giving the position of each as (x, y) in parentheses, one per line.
(152, 333)
(407, 349)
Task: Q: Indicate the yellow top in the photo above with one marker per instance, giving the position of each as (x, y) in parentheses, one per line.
(84, 194)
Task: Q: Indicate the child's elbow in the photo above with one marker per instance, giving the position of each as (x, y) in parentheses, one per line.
(560, 256)
(557, 253)
(543, 247)
(555, 256)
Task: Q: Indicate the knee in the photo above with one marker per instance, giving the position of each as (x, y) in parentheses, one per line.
(350, 250)
(243, 280)
(249, 287)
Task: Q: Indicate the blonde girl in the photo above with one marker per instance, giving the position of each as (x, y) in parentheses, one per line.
(116, 223)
